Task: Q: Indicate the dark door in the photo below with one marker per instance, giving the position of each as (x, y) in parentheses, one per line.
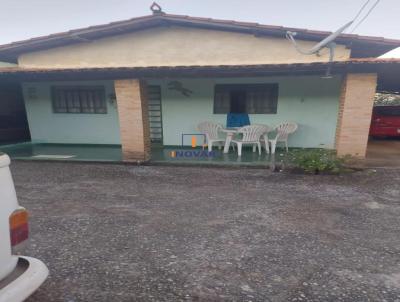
(13, 121)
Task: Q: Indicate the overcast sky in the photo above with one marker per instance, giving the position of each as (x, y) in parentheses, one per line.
(22, 19)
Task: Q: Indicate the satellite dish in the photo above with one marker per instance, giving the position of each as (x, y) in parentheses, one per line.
(328, 42)
(324, 43)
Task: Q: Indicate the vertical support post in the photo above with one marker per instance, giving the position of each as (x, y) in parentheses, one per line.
(355, 112)
(133, 119)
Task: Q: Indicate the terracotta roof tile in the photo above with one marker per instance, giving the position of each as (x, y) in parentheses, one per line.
(210, 20)
(106, 29)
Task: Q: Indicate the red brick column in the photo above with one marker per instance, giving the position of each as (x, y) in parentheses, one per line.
(133, 119)
(355, 111)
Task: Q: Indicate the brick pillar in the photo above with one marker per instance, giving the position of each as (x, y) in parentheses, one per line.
(133, 119)
(356, 102)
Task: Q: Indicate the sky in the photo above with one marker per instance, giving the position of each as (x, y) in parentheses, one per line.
(23, 19)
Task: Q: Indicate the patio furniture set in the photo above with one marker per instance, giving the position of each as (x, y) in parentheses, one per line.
(254, 135)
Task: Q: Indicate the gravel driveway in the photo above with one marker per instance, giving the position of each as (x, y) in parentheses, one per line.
(126, 233)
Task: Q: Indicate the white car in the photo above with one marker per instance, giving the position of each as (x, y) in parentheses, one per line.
(19, 276)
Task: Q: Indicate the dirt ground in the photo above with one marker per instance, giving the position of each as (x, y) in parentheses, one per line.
(127, 233)
(383, 153)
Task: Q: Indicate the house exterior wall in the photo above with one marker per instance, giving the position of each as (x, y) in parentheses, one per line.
(172, 46)
(354, 119)
(80, 128)
(310, 101)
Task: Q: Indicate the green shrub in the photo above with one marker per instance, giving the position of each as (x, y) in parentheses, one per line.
(316, 160)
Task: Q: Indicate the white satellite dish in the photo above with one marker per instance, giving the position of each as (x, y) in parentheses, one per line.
(328, 42)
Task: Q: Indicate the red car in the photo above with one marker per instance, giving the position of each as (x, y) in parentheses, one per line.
(385, 121)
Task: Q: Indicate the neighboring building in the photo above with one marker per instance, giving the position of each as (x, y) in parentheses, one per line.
(88, 85)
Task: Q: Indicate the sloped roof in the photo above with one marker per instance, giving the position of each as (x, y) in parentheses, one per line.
(362, 46)
(351, 65)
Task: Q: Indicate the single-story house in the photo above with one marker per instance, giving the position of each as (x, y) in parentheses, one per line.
(154, 78)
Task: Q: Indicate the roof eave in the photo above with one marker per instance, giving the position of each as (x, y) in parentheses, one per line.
(360, 65)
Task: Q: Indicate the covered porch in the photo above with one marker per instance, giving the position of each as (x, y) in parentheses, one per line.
(320, 106)
(161, 155)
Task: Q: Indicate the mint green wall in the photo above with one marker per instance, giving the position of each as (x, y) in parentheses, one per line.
(310, 101)
(48, 127)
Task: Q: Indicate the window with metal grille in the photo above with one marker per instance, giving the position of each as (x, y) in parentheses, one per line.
(79, 99)
(246, 98)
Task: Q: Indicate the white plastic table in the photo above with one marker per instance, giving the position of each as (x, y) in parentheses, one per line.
(230, 132)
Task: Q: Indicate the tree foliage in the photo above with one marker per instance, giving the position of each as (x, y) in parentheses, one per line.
(387, 99)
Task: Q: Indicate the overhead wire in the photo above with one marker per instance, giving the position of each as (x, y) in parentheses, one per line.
(366, 16)
(361, 10)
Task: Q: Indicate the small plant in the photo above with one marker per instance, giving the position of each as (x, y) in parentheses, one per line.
(316, 161)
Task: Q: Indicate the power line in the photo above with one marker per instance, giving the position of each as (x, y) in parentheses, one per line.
(361, 9)
(366, 16)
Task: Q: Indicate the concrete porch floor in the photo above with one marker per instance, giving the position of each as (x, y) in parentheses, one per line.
(63, 152)
(380, 153)
(112, 153)
(187, 155)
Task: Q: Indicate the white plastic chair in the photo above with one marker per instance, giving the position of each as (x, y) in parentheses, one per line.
(250, 136)
(282, 133)
(264, 137)
(212, 133)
